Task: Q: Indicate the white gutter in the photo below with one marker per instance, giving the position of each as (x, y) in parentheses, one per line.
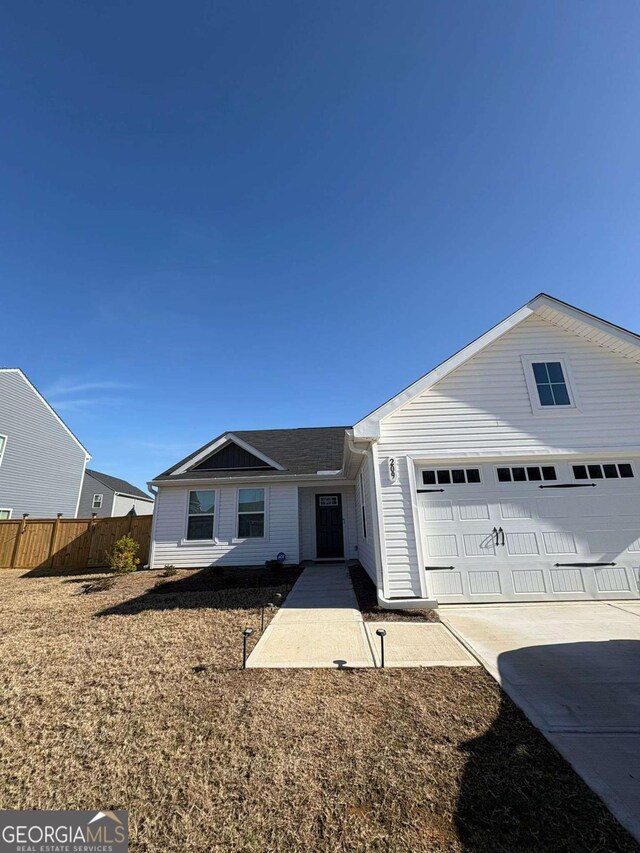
(378, 541)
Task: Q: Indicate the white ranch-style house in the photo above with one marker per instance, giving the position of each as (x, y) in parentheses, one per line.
(510, 472)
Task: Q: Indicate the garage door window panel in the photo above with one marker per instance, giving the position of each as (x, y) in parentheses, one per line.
(524, 474)
(603, 470)
(451, 476)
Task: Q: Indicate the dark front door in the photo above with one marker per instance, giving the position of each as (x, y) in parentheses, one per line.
(329, 537)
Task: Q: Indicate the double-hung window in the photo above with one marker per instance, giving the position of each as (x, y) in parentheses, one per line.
(251, 511)
(3, 444)
(201, 514)
(96, 503)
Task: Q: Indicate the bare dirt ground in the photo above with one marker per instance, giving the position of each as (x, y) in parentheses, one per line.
(365, 591)
(134, 698)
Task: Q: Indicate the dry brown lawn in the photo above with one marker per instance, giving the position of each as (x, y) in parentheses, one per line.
(145, 708)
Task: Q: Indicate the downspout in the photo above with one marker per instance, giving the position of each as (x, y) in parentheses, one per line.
(383, 601)
(154, 491)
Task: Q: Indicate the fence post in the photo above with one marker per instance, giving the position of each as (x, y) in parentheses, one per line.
(19, 535)
(54, 540)
(91, 559)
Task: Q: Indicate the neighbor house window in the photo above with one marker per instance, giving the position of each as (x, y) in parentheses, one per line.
(201, 514)
(3, 444)
(250, 513)
(97, 501)
(363, 507)
(5, 514)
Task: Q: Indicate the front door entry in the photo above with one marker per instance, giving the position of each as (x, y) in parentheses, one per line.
(329, 535)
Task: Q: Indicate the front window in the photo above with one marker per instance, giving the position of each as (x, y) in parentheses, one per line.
(250, 513)
(202, 504)
(550, 383)
(97, 502)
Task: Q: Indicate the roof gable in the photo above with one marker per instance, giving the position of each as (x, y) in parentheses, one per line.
(303, 451)
(47, 405)
(553, 310)
(232, 457)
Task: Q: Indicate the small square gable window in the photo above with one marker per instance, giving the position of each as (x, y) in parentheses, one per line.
(548, 383)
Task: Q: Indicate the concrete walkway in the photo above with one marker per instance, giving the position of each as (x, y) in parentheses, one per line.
(320, 625)
(574, 670)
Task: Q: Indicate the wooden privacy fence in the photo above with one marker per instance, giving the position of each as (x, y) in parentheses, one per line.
(68, 543)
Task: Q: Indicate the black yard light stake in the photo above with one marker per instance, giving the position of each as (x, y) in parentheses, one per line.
(382, 634)
(245, 636)
(278, 598)
(262, 609)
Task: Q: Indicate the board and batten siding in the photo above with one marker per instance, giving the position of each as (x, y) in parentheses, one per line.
(42, 468)
(307, 520)
(170, 548)
(483, 407)
(366, 550)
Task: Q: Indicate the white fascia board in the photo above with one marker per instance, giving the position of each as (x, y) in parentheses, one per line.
(576, 314)
(369, 427)
(51, 409)
(220, 442)
(135, 497)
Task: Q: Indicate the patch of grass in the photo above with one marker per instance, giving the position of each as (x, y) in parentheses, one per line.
(148, 710)
(365, 591)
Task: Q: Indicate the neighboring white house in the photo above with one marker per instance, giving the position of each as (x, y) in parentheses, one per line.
(510, 472)
(107, 496)
(41, 462)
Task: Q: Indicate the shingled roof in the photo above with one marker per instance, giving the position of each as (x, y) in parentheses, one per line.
(119, 486)
(305, 450)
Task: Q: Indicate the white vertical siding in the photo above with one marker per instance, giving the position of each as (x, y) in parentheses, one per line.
(307, 516)
(366, 550)
(170, 528)
(484, 407)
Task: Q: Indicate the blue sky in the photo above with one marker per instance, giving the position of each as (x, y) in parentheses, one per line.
(219, 215)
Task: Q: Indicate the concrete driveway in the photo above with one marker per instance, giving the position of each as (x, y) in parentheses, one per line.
(574, 669)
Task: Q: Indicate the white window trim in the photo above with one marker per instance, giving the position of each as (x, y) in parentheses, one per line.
(237, 538)
(93, 500)
(536, 406)
(3, 439)
(363, 508)
(190, 543)
(6, 509)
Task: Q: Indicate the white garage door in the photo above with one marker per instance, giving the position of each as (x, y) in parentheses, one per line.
(533, 531)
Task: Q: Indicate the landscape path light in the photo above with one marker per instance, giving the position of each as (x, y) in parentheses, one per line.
(382, 634)
(245, 636)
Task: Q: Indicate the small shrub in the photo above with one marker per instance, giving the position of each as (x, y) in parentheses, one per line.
(101, 585)
(273, 564)
(169, 571)
(122, 558)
